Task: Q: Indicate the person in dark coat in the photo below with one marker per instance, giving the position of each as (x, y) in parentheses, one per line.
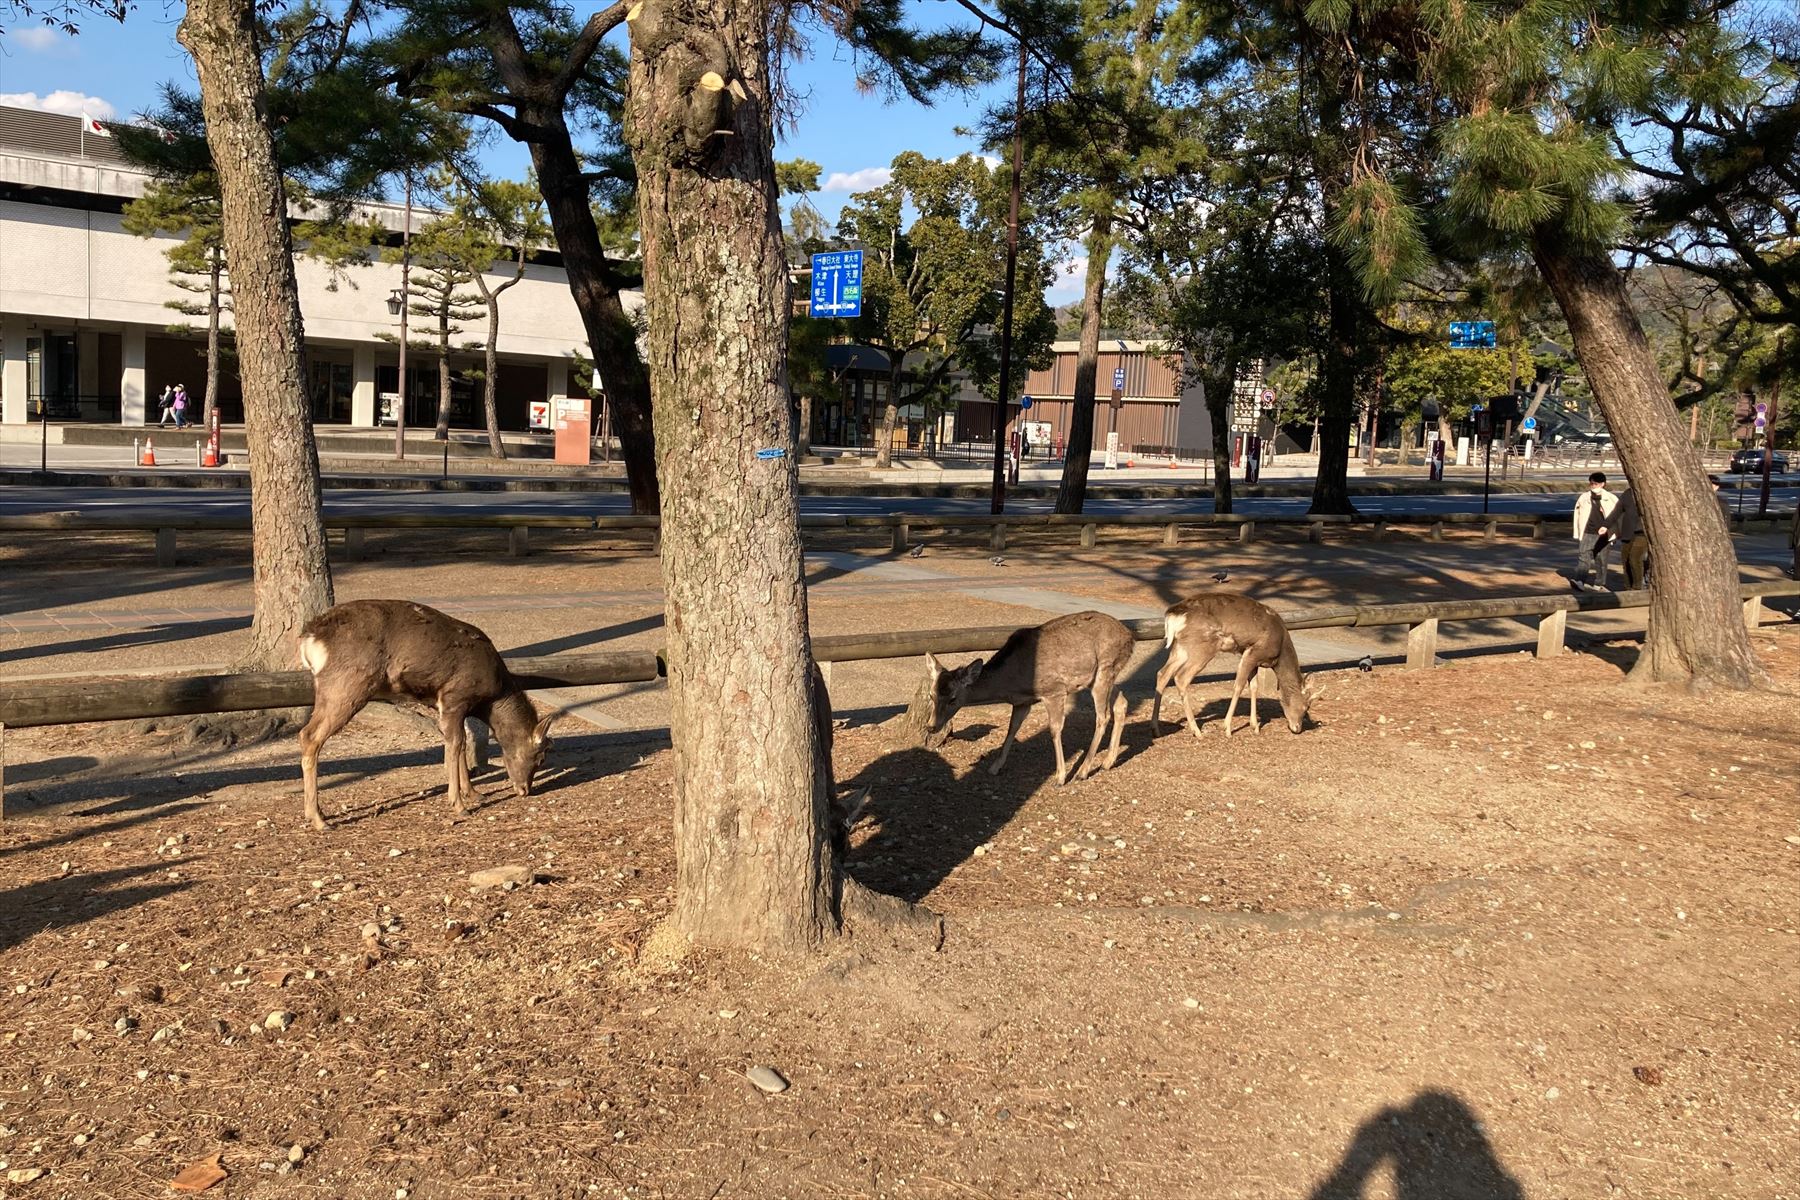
(1634, 543)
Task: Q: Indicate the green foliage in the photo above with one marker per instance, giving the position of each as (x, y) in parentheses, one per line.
(1425, 367)
(934, 240)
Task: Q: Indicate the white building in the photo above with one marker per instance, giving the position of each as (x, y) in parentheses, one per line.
(84, 330)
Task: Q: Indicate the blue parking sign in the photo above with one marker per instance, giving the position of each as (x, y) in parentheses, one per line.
(837, 284)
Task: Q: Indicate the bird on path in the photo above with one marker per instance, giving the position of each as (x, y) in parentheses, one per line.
(1366, 665)
(916, 552)
(1220, 577)
(997, 561)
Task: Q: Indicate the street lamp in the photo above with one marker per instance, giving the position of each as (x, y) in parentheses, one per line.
(394, 302)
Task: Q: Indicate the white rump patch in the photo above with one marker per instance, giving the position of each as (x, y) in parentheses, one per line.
(313, 654)
(1173, 624)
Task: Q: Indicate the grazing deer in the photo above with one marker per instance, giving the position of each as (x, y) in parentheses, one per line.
(1049, 663)
(367, 650)
(1197, 629)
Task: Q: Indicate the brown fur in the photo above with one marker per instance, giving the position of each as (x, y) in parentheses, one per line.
(1203, 626)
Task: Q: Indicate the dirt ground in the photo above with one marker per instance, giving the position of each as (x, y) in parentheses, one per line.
(1505, 929)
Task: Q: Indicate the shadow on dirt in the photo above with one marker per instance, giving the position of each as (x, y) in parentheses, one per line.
(1434, 1149)
(68, 900)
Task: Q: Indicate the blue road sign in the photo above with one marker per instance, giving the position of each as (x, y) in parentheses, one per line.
(1472, 335)
(1528, 424)
(1025, 403)
(837, 284)
(1118, 377)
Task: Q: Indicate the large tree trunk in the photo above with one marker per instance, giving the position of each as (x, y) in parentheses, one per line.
(213, 303)
(443, 411)
(490, 369)
(292, 576)
(1219, 387)
(1331, 490)
(753, 865)
(890, 413)
(618, 366)
(1696, 632)
(1071, 493)
(803, 425)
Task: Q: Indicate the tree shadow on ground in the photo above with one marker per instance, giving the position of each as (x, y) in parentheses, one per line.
(150, 635)
(101, 830)
(67, 900)
(1435, 1149)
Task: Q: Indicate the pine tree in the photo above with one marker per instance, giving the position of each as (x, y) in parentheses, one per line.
(189, 206)
(447, 255)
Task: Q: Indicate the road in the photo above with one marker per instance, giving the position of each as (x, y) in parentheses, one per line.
(344, 502)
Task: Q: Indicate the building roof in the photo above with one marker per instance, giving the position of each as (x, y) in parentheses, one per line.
(55, 133)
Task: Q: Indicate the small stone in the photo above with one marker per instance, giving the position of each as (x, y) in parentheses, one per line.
(1587, 745)
(395, 853)
(144, 1139)
(278, 1021)
(82, 1139)
(78, 1034)
(124, 1025)
(24, 1174)
(1648, 1076)
(1552, 1094)
(767, 1079)
(1190, 1002)
(296, 1154)
(401, 1194)
(370, 931)
(981, 851)
(510, 875)
(728, 1013)
(1790, 839)
(1089, 855)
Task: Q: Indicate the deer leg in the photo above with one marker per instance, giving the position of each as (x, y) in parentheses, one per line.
(1255, 700)
(1056, 708)
(1245, 674)
(1181, 686)
(479, 733)
(1012, 729)
(1119, 708)
(327, 718)
(1177, 655)
(1102, 694)
(455, 766)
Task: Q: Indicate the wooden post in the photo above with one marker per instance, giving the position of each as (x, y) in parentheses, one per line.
(825, 673)
(1537, 523)
(519, 540)
(1247, 531)
(900, 536)
(998, 540)
(353, 543)
(1437, 531)
(1421, 645)
(1753, 612)
(1491, 529)
(1315, 531)
(1089, 534)
(1171, 534)
(165, 547)
(2, 772)
(1552, 631)
(1380, 528)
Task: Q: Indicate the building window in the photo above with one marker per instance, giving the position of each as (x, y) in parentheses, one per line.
(329, 384)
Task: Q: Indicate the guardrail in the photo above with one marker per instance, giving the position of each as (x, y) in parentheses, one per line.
(900, 526)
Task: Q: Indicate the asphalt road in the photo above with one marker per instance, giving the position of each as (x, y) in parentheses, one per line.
(236, 502)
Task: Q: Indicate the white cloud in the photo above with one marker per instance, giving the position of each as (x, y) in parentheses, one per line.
(857, 181)
(1070, 279)
(70, 104)
(37, 37)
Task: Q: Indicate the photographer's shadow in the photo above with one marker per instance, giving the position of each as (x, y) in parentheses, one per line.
(1435, 1148)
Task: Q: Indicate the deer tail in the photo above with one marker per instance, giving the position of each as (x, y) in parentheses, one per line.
(1172, 626)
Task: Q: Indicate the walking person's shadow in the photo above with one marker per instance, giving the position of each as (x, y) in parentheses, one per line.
(1435, 1148)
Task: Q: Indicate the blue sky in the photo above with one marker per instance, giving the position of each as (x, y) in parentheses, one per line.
(113, 71)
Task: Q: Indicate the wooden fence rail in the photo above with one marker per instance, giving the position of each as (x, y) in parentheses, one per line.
(901, 527)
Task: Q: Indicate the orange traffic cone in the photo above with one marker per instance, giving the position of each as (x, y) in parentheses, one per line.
(1173, 464)
(211, 457)
(148, 457)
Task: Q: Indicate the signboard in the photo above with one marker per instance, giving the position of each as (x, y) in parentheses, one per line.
(1119, 378)
(1472, 335)
(1025, 403)
(540, 414)
(1037, 432)
(837, 284)
(574, 432)
(1762, 417)
(390, 403)
(1268, 397)
(1529, 425)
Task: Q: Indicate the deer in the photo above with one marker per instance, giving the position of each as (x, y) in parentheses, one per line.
(393, 650)
(1049, 663)
(1201, 627)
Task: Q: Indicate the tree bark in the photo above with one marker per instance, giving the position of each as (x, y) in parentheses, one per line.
(753, 865)
(1071, 493)
(490, 368)
(1338, 372)
(618, 366)
(890, 414)
(1219, 386)
(1696, 629)
(443, 411)
(291, 575)
(213, 304)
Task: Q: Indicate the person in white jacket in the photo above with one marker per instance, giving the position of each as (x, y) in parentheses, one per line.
(1593, 529)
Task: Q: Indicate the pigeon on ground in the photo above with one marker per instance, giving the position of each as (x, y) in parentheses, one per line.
(1366, 665)
(997, 561)
(916, 552)
(1220, 577)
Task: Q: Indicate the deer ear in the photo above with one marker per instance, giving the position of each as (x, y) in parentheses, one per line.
(542, 730)
(850, 807)
(932, 665)
(972, 672)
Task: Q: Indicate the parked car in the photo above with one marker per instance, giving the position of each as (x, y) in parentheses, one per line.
(1748, 462)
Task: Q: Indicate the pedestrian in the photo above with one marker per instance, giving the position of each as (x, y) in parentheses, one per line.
(1794, 545)
(1634, 543)
(167, 405)
(180, 406)
(1593, 530)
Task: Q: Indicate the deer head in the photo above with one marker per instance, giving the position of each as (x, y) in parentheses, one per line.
(1297, 701)
(945, 691)
(525, 754)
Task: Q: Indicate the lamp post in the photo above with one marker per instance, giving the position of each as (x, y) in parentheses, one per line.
(398, 305)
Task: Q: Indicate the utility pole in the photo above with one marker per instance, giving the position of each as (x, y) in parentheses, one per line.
(405, 304)
(1006, 304)
(1762, 508)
